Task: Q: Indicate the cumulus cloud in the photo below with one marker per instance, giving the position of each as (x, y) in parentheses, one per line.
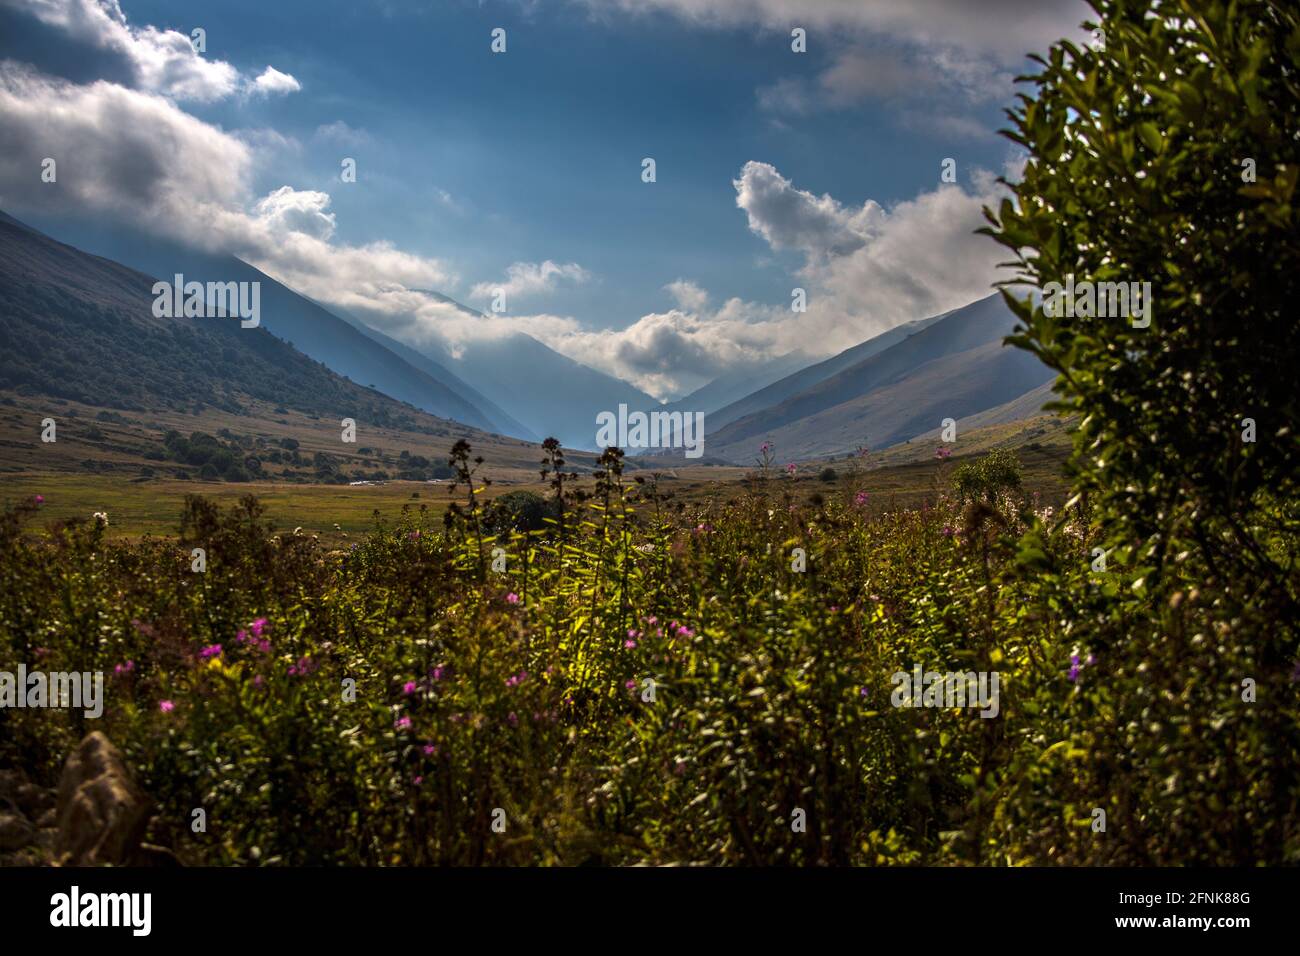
(790, 218)
(525, 279)
(865, 270)
(137, 156)
(271, 82)
(160, 61)
(687, 294)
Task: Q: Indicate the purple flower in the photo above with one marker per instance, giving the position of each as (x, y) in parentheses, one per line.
(1074, 668)
(629, 643)
(258, 626)
(212, 650)
(512, 598)
(430, 749)
(39, 499)
(438, 673)
(791, 468)
(517, 679)
(860, 498)
(166, 706)
(125, 668)
(943, 452)
(403, 723)
(304, 667)
(408, 687)
(948, 531)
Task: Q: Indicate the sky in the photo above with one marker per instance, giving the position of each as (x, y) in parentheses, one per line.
(522, 171)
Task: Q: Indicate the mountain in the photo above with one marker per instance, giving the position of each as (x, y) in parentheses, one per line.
(736, 384)
(781, 389)
(77, 327)
(501, 421)
(550, 393)
(308, 326)
(954, 366)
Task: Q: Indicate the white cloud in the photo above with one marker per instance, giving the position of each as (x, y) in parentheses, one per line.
(297, 210)
(866, 270)
(524, 279)
(687, 294)
(137, 156)
(161, 61)
(271, 82)
(790, 218)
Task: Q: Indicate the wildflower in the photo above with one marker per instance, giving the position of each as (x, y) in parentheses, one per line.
(430, 750)
(438, 673)
(39, 499)
(862, 451)
(513, 719)
(304, 667)
(414, 535)
(258, 626)
(166, 706)
(943, 453)
(652, 620)
(517, 679)
(1074, 668)
(791, 468)
(124, 668)
(408, 687)
(403, 723)
(630, 684)
(629, 643)
(241, 636)
(948, 531)
(860, 498)
(512, 598)
(765, 447)
(258, 681)
(212, 650)
(417, 780)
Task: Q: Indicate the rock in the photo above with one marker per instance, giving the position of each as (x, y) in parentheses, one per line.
(33, 800)
(10, 782)
(15, 831)
(102, 813)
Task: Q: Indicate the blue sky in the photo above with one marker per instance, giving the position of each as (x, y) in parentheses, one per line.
(479, 162)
